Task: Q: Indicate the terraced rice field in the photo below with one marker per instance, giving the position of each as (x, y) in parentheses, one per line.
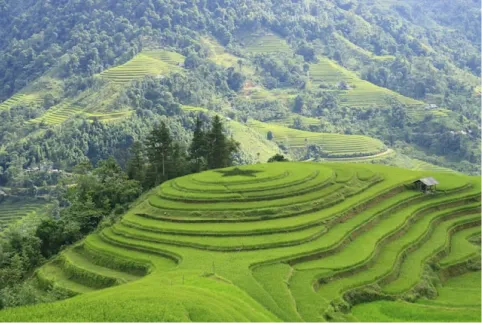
(20, 99)
(269, 242)
(59, 113)
(421, 165)
(266, 43)
(361, 51)
(332, 145)
(362, 93)
(108, 117)
(154, 63)
(11, 212)
(458, 300)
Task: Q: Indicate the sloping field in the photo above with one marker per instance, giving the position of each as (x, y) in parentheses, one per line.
(107, 117)
(361, 94)
(270, 242)
(265, 43)
(219, 55)
(11, 211)
(421, 165)
(58, 114)
(332, 145)
(20, 99)
(145, 63)
(252, 142)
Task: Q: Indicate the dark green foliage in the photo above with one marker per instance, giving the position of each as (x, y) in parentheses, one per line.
(96, 195)
(269, 135)
(160, 152)
(198, 147)
(280, 70)
(219, 148)
(235, 80)
(307, 51)
(136, 163)
(277, 158)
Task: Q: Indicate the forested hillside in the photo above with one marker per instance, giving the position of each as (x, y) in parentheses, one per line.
(103, 100)
(274, 61)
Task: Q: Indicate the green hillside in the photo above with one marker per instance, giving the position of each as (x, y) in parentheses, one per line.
(331, 145)
(361, 93)
(274, 242)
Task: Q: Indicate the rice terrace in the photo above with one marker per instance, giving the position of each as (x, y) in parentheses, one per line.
(279, 242)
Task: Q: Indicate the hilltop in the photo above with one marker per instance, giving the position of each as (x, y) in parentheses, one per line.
(277, 242)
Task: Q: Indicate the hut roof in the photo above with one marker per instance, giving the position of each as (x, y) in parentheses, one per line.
(429, 181)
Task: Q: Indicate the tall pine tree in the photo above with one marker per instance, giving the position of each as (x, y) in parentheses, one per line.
(159, 146)
(136, 163)
(220, 149)
(167, 159)
(198, 148)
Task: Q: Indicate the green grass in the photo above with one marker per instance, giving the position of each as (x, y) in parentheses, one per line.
(422, 165)
(385, 311)
(413, 266)
(459, 291)
(361, 51)
(252, 244)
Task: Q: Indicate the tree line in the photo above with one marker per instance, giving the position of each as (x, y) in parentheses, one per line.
(161, 158)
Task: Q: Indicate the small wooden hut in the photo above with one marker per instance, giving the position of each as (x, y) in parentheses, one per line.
(426, 185)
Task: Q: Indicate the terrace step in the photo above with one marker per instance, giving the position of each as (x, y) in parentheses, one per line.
(163, 260)
(274, 279)
(460, 248)
(287, 224)
(52, 276)
(404, 221)
(224, 243)
(385, 265)
(84, 271)
(412, 267)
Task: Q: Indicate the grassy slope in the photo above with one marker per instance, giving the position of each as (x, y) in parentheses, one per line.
(249, 285)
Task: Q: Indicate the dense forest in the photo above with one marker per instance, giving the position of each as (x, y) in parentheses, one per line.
(436, 59)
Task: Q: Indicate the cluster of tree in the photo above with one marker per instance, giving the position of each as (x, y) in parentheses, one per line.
(162, 158)
(98, 196)
(277, 158)
(281, 70)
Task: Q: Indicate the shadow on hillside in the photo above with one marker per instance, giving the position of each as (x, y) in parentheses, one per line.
(239, 172)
